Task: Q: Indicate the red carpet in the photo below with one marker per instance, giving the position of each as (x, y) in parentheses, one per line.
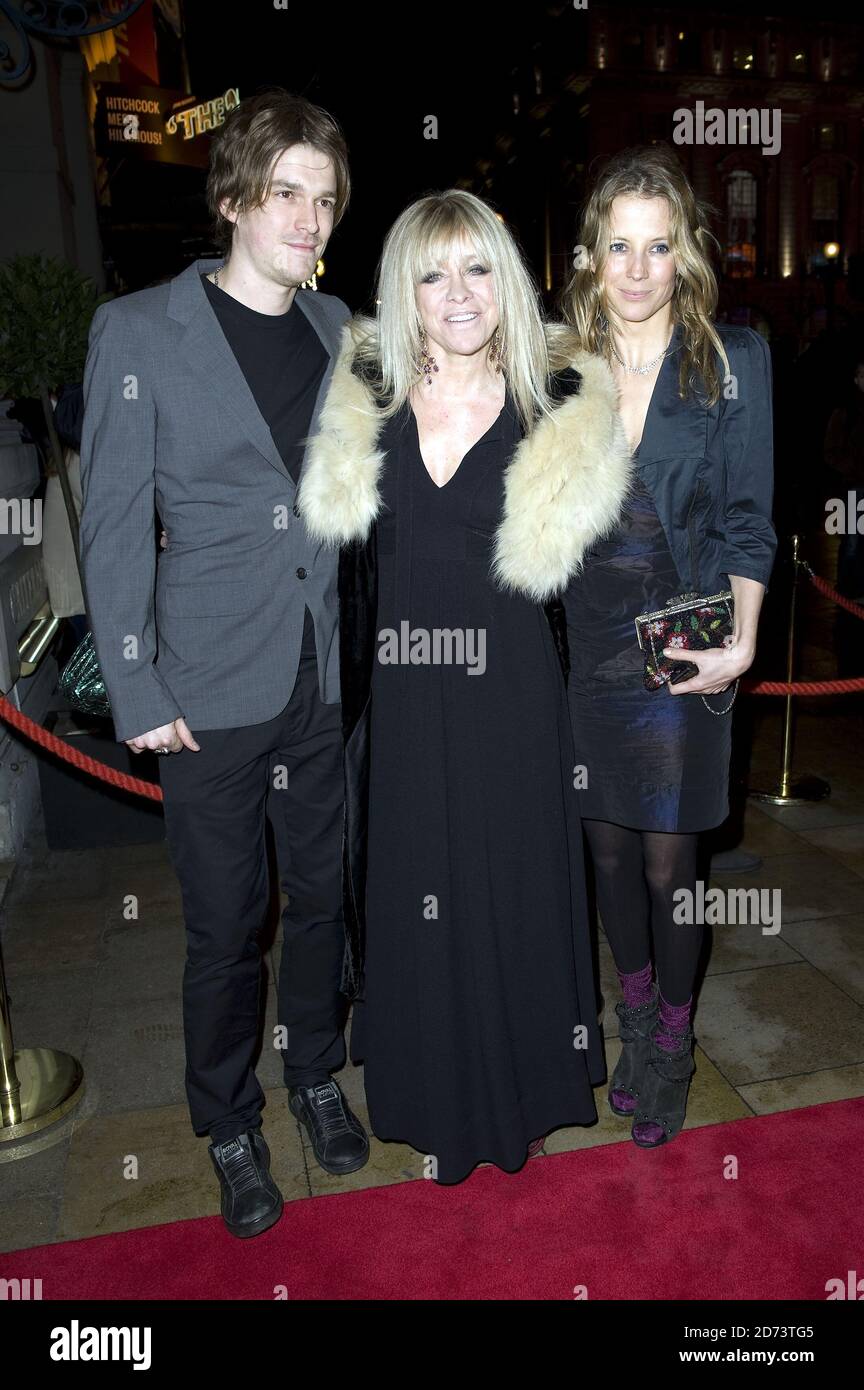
(623, 1222)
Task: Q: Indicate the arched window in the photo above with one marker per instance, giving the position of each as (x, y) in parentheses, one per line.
(741, 212)
(824, 214)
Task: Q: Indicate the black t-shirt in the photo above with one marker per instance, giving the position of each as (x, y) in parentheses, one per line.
(283, 361)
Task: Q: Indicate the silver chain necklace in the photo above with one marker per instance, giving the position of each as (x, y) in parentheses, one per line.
(645, 369)
(216, 277)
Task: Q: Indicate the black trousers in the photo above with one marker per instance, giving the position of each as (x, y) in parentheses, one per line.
(216, 801)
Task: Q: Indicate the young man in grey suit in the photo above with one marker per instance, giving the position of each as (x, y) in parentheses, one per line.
(199, 395)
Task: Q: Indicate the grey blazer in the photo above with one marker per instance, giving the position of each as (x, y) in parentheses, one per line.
(212, 630)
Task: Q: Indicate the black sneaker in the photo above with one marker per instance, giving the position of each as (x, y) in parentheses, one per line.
(337, 1137)
(251, 1201)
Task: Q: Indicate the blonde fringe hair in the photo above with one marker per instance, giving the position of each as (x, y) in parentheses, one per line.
(387, 346)
(652, 171)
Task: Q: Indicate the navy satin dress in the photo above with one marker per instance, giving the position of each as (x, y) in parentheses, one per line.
(653, 761)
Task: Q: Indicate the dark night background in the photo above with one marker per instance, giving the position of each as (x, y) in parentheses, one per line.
(381, 71)
(523, 115)
(529, 101)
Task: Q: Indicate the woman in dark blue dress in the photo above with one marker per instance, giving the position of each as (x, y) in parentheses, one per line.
(463, 499)
(695, 400)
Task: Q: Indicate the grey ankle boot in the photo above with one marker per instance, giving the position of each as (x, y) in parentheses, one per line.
(636, 1028)
(663, 1100)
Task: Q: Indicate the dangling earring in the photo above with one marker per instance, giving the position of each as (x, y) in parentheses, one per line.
(495, 354)
(428, 365)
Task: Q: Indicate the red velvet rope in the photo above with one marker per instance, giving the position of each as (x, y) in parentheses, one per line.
(34, 731)
(825, 588)
(71, 755)
(838, 687)
(803, 687)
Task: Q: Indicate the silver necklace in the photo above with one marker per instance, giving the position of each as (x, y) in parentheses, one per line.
(645, 369)
(216, 277)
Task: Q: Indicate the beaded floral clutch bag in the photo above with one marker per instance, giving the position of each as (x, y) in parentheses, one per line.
(689, 622)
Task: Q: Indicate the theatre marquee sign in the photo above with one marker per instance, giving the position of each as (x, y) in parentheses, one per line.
(153, 123)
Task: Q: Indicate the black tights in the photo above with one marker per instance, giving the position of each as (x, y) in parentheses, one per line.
(637, 872)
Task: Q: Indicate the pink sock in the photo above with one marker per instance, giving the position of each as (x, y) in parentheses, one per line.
(636, 987)
(673, 1024)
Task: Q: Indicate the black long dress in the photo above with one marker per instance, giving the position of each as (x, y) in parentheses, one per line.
(653, 761)
(478, 966)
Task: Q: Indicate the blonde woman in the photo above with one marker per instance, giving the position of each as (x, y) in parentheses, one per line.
(466, 459)
(695, 400)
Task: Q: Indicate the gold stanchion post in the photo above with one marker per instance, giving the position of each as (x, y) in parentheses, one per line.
(805, 789)
(38, 1085)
